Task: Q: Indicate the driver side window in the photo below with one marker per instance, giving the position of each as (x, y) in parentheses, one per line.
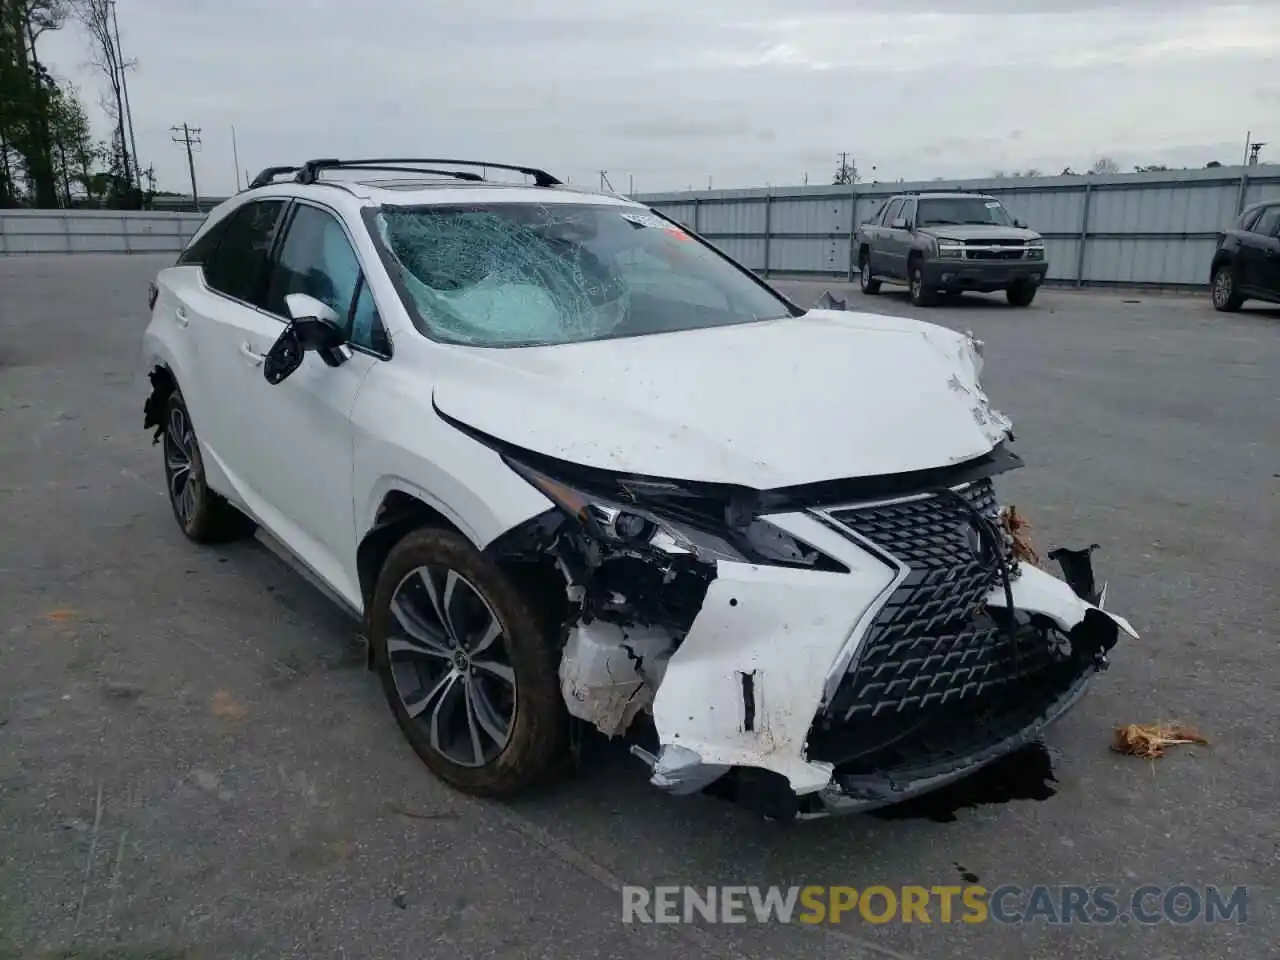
(316, 258)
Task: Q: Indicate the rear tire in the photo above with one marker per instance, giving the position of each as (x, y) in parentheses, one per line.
(1021, 294)
(203, 515)
(1225, 295)
(921, 295)
(469, 671)
(870, 285)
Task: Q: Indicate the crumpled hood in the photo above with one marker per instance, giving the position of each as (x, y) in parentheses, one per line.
(826, 396)
(978, 232)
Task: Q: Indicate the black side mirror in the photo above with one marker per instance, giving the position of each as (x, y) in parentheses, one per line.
(315, 327)
(1019, 224)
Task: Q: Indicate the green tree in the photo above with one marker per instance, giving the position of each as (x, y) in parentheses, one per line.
(26, 96)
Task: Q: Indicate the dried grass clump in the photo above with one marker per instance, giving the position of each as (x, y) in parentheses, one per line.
(1149, 740)
(1020, 530)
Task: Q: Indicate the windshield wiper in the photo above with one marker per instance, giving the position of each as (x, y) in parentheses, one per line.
(937, 223)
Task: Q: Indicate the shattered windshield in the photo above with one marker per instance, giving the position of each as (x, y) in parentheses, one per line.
(519, 274)
(974, 210)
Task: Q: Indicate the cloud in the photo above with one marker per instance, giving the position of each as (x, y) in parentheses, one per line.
(672, 92)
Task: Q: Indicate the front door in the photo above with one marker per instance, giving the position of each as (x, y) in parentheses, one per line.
(882, 245)
(302, 442)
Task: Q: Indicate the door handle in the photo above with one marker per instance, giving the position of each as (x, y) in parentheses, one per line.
(181, 316)
(251, 354)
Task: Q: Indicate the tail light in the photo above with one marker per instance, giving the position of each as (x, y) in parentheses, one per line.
(152, 292)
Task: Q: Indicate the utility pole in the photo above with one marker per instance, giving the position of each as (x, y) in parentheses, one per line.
(190, 138)
(604, 181)
(124, 89)
(235, 153)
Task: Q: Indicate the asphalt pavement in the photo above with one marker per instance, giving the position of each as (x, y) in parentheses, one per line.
(194, 762)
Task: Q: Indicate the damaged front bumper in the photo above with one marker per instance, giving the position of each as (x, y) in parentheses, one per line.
(810, 661)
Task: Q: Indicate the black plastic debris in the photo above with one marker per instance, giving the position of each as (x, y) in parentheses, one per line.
(828, 302)
(1077, 570)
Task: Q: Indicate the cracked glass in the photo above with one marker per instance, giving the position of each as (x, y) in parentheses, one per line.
(520, 274)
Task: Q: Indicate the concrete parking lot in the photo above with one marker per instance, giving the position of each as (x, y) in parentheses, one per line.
(194, 763)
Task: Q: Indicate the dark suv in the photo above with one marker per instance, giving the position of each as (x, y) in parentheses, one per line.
(949, 242)
(1246, 265)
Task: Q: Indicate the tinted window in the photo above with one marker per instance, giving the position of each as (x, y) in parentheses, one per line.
(894, 211)
(200, 251)
(1268, 223)
(1249, 218)
(909, 212)
(522, 274)
(935, 210)
(316, 259)
(237, 267)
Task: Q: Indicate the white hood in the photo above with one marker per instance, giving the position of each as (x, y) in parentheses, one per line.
(825, 396)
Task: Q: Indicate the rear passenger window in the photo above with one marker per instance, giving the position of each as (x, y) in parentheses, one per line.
(1269, 223)
(238, 267)
(200, 251)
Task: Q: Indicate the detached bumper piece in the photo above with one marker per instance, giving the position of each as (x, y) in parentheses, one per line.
(945, 679)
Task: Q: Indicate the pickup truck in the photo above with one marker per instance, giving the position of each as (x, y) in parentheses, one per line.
(947, 243)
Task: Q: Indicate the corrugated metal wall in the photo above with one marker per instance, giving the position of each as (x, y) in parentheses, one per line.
(95, 231)
(1149, 228)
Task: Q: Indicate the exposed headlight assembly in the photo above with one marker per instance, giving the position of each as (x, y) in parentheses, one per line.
(644, 525)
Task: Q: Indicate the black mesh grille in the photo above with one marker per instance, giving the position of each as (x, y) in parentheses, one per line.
(932, 643)
(1012, 253)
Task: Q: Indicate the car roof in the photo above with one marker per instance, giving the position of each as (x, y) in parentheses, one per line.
(424, 193)
(944, 194)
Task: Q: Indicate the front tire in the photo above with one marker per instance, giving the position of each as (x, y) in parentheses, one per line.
(1226, 297)
(870, 285)
(1021, 294)
(203, 515)
(467, 668)
(921, 295)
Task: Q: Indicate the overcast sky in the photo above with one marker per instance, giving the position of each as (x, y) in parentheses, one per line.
(673, 92)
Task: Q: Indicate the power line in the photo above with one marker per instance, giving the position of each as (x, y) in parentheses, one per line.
(124, 89)
(190, 138)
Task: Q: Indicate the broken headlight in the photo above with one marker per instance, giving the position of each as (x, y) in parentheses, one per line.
(649, 524)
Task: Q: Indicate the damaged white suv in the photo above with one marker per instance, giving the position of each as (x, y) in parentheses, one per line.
(571, 465)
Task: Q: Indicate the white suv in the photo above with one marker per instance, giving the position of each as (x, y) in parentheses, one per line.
(571, 465)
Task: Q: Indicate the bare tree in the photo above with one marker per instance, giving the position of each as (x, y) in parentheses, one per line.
(104, 54)
(1105, 164)
(846, 171)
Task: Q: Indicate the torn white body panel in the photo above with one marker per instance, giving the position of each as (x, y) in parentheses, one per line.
(745, 687)
(1036, 591)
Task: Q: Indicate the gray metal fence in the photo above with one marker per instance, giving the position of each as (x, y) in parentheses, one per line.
(1155, 229)
(95, 231)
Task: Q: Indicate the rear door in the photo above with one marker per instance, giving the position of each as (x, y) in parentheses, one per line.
(221, 309)
(1258, 262)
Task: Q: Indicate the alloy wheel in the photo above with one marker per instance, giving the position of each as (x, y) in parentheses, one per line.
(1222, 288)
(181, 465)
(450, 665)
